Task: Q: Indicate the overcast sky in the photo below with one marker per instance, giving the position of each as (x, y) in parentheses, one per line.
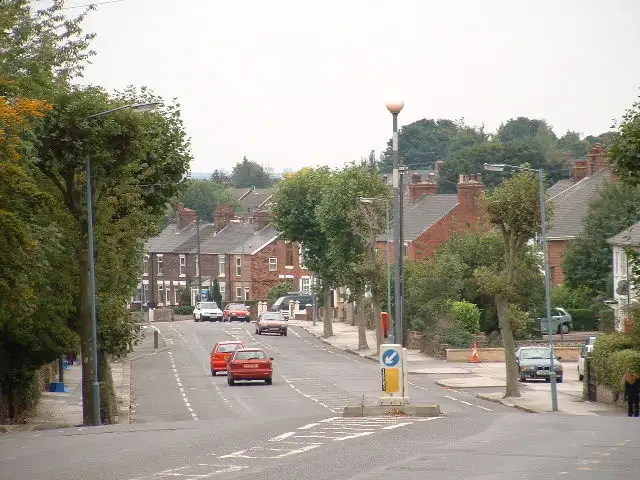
(291, 83)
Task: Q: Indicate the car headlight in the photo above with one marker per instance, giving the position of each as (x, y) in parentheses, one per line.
(528, 368)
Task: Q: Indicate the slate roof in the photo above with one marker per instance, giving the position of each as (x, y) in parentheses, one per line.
(255, 241)
(171, 239)
(226, 239)
(570, 206)
(629, 237)
(419, 216)
(237, 193)
(559, 187)
(256, 198)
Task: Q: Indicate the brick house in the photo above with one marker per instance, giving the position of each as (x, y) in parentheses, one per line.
(624, 290)
(570, 199)
(244, 253)
(430, 219)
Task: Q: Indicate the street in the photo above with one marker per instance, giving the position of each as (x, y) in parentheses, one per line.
(190, 425)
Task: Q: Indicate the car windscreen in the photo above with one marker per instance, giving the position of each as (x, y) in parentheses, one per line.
(272, 316)
(208, 305)
(228, 347)
(254, 355)
(279, 302)
(236, 306)
(535, 353)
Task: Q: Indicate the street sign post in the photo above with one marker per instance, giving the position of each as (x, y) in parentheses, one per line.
(393, 375)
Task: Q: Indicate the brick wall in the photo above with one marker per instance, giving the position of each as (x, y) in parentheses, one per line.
(556, 249)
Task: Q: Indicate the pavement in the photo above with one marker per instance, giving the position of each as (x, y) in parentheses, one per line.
(486, 380)
(188, 424)
(64, 409)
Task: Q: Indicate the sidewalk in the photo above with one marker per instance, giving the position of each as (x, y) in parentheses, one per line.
(61, 410)
(536, 397)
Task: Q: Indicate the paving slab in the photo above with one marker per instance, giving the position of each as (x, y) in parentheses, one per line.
(439, 371)
(540, 402)
(471, 382)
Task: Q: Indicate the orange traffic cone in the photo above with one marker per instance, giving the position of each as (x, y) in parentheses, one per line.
(474, 353)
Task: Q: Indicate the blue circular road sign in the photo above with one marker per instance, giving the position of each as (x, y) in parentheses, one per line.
(390, 358)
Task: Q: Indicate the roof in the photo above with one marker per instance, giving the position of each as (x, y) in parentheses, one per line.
(226, 239)
(255, 198)
(559, 187)
(256, 241)
(570, 206)
(171, 239)
(420, 215)
(628, 237)
(238, 193)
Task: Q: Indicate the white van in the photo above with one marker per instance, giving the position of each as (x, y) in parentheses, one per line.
(587, 349)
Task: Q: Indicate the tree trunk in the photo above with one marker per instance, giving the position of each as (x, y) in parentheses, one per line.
(85, 329)
(377, 313)
(348, 305)
(108, 399)
(328, 326)
(362, 325)
(512, 388)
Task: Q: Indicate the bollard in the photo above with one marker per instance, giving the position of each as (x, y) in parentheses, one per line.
(155, 339)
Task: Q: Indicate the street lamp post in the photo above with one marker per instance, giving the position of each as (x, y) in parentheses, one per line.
(547, 280)
(95, 390)
(390, 337)
(395, 108)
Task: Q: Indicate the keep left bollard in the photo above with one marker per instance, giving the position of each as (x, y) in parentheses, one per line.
(155, 339)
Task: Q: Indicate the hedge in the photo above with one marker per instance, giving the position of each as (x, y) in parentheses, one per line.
(185, 310)
(608, 360)
(584, 319)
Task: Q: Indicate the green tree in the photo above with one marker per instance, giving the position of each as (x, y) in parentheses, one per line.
(139, 163)
(248, 173)
(217, 294)
(221, 178)
(294, 213)
(572, 143)
(514, 208)
(351, 235)
(204, 196)
(615, 209)
(467, 315)
(625, 148)
(280, 290)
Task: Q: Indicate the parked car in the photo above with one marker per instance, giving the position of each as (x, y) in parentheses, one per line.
(561, 321)
(207, 311)
(587, 348)
(249, 364)
(236, 311)
(535, 363)
(271, 322)
(282, 304)
(221, 354)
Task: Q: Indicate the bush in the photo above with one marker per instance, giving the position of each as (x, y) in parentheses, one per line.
(606, 320)
(584, 319)
(618, 364)
(280, 290)
(524, 328)
(186, 310)
(571, 298)
(603, 351)
(467, 316)
(457, 337)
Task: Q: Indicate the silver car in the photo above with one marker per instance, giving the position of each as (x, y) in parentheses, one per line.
(535, 363)
(271, 322)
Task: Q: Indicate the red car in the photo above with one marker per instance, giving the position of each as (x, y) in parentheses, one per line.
(221, 354)
(236, 311)
(249, 364)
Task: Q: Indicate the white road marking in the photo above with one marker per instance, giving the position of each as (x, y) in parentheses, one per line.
(279, 438)
(308, 426)
(452, 398)
(466, 403)
(356, 435)
(184, 395)
(484, 408)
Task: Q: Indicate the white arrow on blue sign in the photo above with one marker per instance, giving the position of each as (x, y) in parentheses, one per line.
(390, 358)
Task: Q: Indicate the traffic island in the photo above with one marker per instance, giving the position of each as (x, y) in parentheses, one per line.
(408, 410)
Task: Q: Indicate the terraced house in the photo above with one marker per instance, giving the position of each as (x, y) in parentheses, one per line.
(242, 252)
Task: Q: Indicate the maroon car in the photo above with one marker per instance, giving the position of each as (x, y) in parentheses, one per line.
(249, 364)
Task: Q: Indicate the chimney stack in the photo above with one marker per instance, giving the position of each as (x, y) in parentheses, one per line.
(418, 188)
(184, 216)
(470, 189)
(260, 219)
(597, 158)
(222, 216)
(579, 170)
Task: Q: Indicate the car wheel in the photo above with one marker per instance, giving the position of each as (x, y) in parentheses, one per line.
(522, 379)
(230, 380)
(213, 372)
(564, 328)
(268, 381)
(559, 379)
(259, 332)
(285, 333)
(548, 380)
(580, 377)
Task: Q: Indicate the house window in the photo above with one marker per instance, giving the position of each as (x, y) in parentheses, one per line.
(160, 293)
(145, 293)
(145, 265)
(197, 267)
(273, 264)
(222, 289)
(176, 291)
(305, 285)
(239, 268)
(167, 295)
(160, 264)
(246, 293)
(221, 265)
(406, 250)
(183, 265)
(288, 257)
(301, 257)
(239, 293)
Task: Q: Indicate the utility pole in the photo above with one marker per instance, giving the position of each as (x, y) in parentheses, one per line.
(198, 257)
(395, 109)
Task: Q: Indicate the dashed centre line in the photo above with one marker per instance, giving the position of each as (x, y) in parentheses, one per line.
(184, 395)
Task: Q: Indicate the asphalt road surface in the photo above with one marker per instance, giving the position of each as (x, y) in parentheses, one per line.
(190, 425)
